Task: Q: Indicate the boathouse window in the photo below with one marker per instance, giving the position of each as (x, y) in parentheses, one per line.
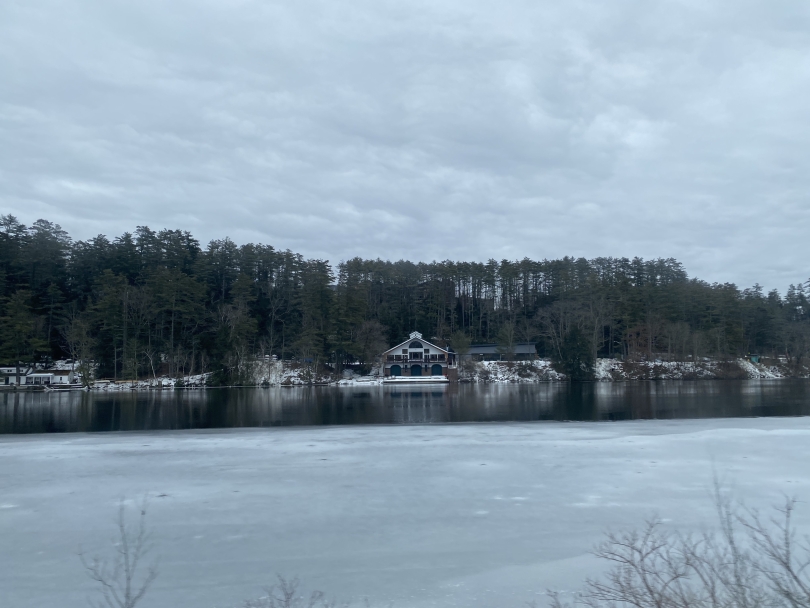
(415, 345)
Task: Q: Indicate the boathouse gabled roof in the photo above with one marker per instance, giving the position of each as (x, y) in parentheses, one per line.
(416, 337)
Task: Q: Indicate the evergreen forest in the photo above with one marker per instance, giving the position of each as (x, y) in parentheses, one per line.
(160, 303)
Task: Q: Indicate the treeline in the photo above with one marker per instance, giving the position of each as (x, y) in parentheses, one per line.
(152, 303)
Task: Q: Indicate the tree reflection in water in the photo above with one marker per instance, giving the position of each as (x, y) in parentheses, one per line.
(40, 412)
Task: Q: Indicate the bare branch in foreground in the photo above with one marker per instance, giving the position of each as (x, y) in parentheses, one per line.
(285, 594)
(746, 563)
(120, 583)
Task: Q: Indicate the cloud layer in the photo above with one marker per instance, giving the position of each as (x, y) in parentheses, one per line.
(421, 130)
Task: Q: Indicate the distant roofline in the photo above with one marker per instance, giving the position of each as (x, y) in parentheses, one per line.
(496, 344)
(492, 348)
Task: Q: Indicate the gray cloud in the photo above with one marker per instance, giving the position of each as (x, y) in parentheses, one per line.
(421, 130)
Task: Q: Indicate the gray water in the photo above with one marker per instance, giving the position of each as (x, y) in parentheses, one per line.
(40, 412)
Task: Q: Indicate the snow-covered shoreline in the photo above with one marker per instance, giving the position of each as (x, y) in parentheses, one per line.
(278, 373)
(608, 370)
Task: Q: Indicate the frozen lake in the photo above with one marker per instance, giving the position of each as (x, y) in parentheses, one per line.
(418, 515)
(26, 412)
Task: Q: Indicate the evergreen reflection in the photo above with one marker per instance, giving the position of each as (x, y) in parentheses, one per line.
(47, 412)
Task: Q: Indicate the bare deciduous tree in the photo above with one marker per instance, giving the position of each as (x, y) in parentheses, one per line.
(122, 581)
(785, 562)
(746, 563)
(285, 594)
(79, 343)
(557, 320)
(506, 340)
(370, 341)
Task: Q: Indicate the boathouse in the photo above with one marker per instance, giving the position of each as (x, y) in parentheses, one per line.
(418, 357)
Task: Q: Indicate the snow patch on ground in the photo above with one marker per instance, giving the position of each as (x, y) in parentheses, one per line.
(539, 370)
(62, 365)
(757, 370)
(360, 381)
(160, 382)
(284, 373)
(607, 370)
(610, 370)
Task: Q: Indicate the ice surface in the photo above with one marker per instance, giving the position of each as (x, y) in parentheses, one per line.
(438, 515)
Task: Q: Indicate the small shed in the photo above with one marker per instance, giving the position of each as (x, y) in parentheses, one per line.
(63, 376)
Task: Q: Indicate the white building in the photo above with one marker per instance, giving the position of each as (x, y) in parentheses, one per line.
(417, 357)
(47, 377)
(50, 376)
(35, 377)
(8, 374)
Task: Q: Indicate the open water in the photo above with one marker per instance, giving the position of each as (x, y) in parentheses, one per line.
(41, 412)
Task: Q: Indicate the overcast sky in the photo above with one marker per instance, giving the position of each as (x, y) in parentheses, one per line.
(423, 130)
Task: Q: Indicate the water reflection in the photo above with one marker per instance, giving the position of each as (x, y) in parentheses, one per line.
(25, 412)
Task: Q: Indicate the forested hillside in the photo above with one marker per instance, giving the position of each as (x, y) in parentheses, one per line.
(159, 302)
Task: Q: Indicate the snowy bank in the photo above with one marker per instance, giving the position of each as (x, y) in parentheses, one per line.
(287, 373)
(611, 370)
(539, 370)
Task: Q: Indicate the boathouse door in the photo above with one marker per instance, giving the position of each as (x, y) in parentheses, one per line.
(416, 370)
